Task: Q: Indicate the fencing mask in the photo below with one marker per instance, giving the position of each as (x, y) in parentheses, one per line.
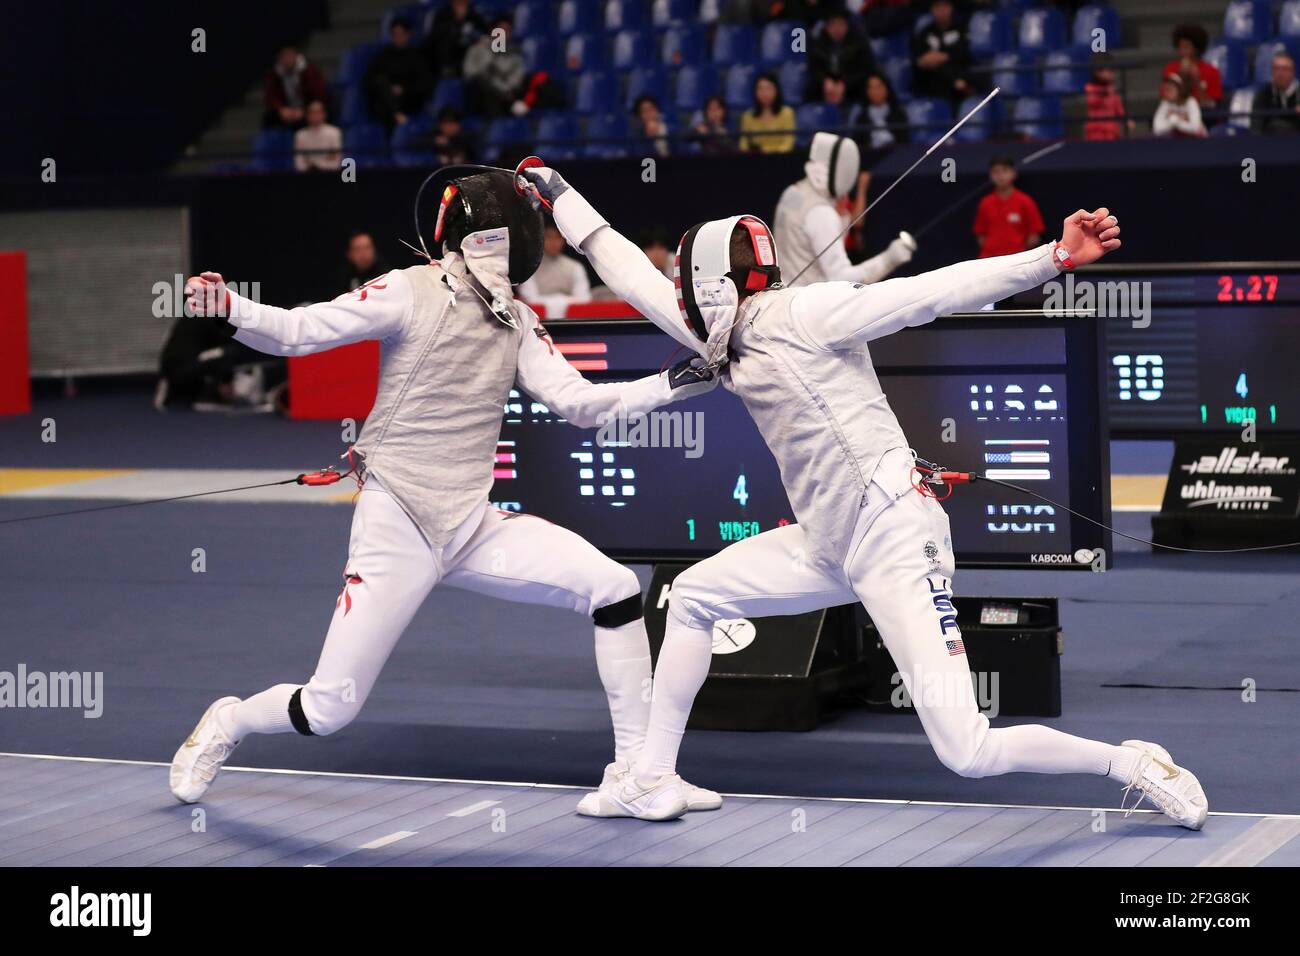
(833, 163)
(708, 283)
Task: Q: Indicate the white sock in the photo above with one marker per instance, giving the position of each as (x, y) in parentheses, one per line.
(1123, 762)
(623, 661)
(683, 665)
(264, 713)
(1038, 749)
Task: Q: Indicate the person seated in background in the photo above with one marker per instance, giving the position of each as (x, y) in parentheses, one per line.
(290, 85)
(839, 49)
(713, 125)
(767, 126)
(398, 80)
(941, 56)
(1106, 116)
(1178, 113)
(451, 144)
(881, 113)
(648, 124)
(203, 368)
(654, 243)
(361, 262)
(456, 27)
(1276, 107)
(1007, 220)
(559, 281)
(834, 93)
(318, 145)
(1190, 42)
(495, 74)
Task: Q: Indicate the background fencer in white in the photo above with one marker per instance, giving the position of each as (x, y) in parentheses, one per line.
(393, 563)
(798, 358)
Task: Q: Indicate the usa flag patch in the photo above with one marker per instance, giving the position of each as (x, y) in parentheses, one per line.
(955, 647)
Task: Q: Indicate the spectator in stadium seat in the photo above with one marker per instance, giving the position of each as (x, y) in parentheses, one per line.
(648, 124)
(451, 144)
(361, 263)
(1178, 115)
(1007, 220)
(318, 145)
(834, 94)
(495, 73)
(398, 80)
(654, 243)
(712, 123)
(456, 27)
(560, 280)
(839, 49)
(1190, 42)
(1106, 116)
(1276, 108)
(767, 126)
(881, 113)
(290, 85)
(941, 56)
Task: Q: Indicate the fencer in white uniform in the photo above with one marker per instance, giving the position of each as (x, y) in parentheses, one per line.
(454, 341)
(807, 221)
(799, 360)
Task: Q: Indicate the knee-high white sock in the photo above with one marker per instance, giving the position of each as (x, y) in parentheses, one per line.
(264, 713)
(623, 661)
(1038, 749)
(683, 665)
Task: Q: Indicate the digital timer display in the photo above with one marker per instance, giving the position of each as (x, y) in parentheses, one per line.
(1250, 288)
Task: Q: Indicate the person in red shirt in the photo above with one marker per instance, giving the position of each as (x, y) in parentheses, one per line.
(1008, 220)
(1190, 41)
(1106, 116)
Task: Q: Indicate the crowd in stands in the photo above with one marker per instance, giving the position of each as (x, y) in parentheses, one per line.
(472, 80)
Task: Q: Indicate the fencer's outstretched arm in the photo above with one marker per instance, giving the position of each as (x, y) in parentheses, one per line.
(823, 226)
(377, 310)
(842, 315)
(547, 376)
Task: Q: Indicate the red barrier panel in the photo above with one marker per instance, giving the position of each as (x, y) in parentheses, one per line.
(337, 384)
(15, 374)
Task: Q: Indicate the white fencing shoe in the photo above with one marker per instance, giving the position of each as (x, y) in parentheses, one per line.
(204, 752)
(1172, 788)
(599, 803)
(622, 795)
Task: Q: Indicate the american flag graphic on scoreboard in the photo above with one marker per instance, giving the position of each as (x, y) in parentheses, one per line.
(955, 647)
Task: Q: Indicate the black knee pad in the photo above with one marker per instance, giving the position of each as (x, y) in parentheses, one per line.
(296, 715)
(621, 612)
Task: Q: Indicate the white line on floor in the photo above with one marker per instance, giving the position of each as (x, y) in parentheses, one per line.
(1256, 844)
(385, 840)
(473, 808)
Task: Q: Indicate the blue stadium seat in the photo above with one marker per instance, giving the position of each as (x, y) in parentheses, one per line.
(540, 53)
(367, 143)
(1064, 73)
(412, 13)
(450, 91)
(502, 132)
(1038, 117)
(984, 124)
(352, 66)
(273, 151)
(626, 15)
(1229, 58)
(695, 84)
(810, 117)
(664, 12)
(607, 137)
(533, 18)
(406, 152)
(647, 81)
(1042, 30)
(898, 70)
(775, 46)
(928, 116)
(557, 136)
(1288, 21)
(1240, 106)
(1264, 58)
(1246, 21)
(990, 33)
(1010, 73)
(594, 92)
(738, 89)
(1014, 7)
(683, 46)
(897, 43)
(578, 16)
(733, 43)
(354, 108)
(583, 52)
(1095, 17)
(633, 48)
(793, 77)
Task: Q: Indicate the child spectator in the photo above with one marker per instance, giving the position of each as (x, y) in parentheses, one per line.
(318, 145)
(712, 124)
(881, 114)
(452, 146)
(290, 85)
(1276, 107)
(1190, 41)
(768, 126)
(1106, 117)
(398, 79)
(1178, 113)
(833, 94)
(1008, 220)
(941, 56)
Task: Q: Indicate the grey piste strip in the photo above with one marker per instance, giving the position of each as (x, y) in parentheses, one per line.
(1258, 843)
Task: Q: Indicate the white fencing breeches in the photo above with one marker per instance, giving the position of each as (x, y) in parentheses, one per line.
(900, 567)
